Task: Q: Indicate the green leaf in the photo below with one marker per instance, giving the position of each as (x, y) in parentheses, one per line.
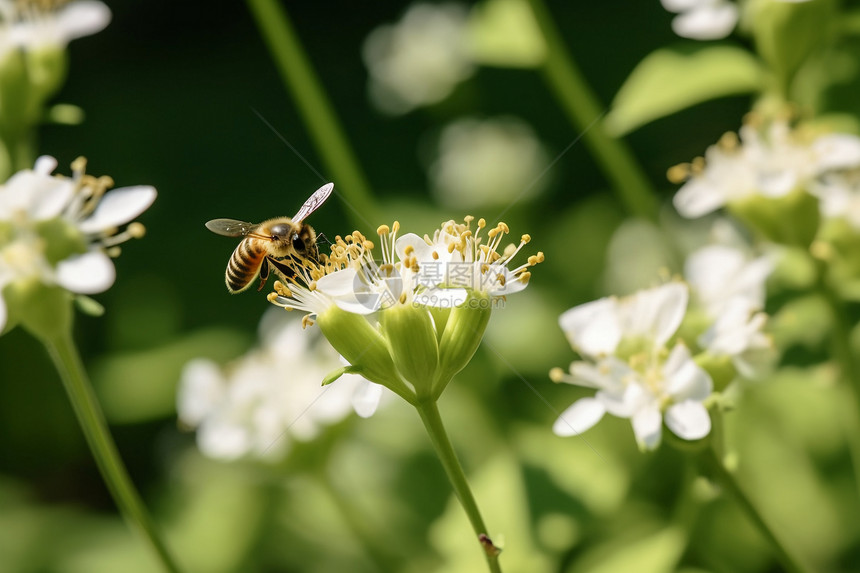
(671, 79)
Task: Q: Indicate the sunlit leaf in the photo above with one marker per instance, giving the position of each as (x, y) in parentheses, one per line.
(670, 80)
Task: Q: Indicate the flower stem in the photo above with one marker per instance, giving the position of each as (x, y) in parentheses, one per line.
(585, 112)
(314, 106)
(429, 412)
(65, 356)
(728, 481)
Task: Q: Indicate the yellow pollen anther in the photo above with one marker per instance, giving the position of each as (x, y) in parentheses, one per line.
(468, 219)
(556, 375)
(113, 252)
(526, 238)
(524, 277)
(383, 230)
(368, 245)
(312, 286)
(403, 298)
(408, 250)
(678, 173)
(396, 226)
(482, 223)
(271, 296)
(136, 230)
(435, 256)
(451, 247)
(307, 321)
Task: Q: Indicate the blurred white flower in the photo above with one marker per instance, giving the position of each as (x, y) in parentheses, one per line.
(729, 285)
(493, 162)
(36, 24)
(719, 274)
(636, 376)
(61, 231)
(771, 164)
(419, 60)
(272, 396)
(702, 19)
(839, 196)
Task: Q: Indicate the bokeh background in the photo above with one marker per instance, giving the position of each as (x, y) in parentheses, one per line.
(173, 93)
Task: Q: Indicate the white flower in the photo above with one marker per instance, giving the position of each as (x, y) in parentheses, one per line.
(595, 329)
(772, 165)
(702, 19)
(839, 196)
(672, 389)
(419, 60)
(627, 361)
(87, 215)
(489, 162)
(719, 274)
(35, 24)
(729, 285)
(272, 396)
(473, 265)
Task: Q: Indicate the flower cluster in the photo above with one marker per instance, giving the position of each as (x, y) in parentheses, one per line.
(271, 397)
(413, 319)
(770, 163)
(637, 374)
(61, 232)
(660, 353)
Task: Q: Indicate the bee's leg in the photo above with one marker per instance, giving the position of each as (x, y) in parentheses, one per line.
(264, 273)
(283, 269)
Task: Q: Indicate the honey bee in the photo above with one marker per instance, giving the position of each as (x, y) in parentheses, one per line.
(274, 243)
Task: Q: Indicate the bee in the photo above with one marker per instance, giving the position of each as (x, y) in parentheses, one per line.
(275, 243)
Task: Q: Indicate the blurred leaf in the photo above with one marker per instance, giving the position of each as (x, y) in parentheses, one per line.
(584, 469)
(638, 253)
(530, 311)
(672, 79)
(139, 386)
(804, 320)
(505, 33)
(656, 553)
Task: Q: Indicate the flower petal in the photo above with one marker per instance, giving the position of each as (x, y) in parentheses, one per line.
(684, 378)
(90, 273)
(82, 18)
(365, 399)
(656, 312)
(201, 389)
(118, 207)
(648, 427)
(2, 310)
(698, 197)
(837, 151)
(592, 328)
(706, 22)
(688, 420)
(579, 417)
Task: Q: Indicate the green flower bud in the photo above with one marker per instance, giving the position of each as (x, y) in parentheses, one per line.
(786, 33)
(45, 311)
(789, 220)
(362, 346)
(462, 336)
(720, 368)
(412, 340)
(47, 68)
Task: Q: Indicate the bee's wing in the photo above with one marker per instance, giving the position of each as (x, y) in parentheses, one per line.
(313, 202)
(230, 227)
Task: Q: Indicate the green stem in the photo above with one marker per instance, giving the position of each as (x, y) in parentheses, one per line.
(429, 412)
(727, 480)
(585, 112)
(315, 108)
(68, 363)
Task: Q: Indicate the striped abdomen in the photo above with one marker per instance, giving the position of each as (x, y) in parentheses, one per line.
(244, 265)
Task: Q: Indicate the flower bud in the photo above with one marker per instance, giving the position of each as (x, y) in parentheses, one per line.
(462, 335)
(45, 311)
(789, 220)
(414, 348)
(361, 345)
